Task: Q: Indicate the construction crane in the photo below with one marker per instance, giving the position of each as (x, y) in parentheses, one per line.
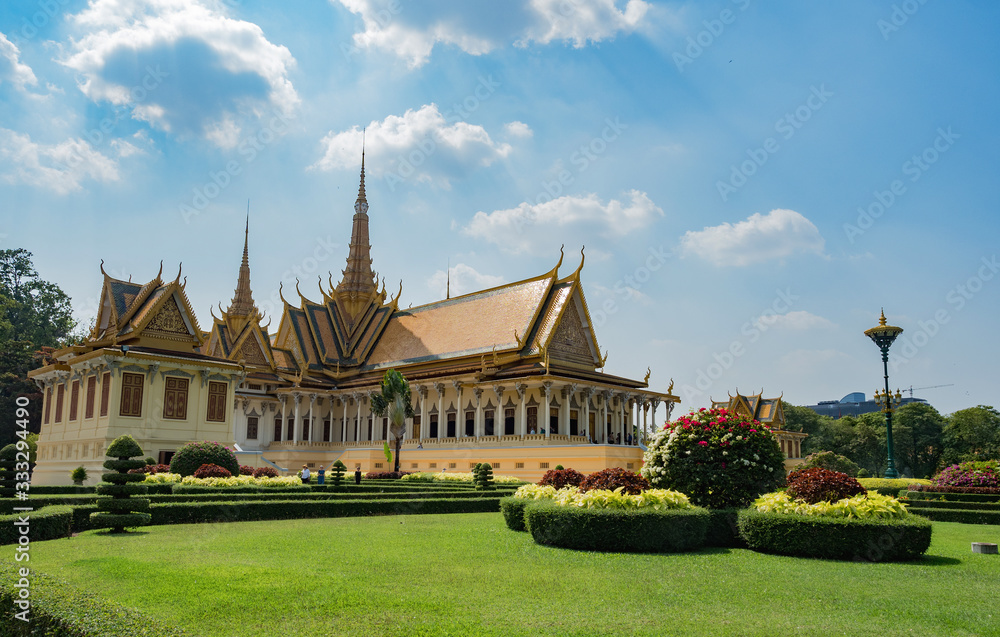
(912, 388)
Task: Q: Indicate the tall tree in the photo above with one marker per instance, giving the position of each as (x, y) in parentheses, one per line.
(33, 314)
(867, 444)
(394, 402)
(971, 434)
(917, 435)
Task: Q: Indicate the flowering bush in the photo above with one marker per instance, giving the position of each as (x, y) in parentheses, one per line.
(716, 457)
(858, 507)
(264, 472)
(970, 474)
(536, 492)
(194, 454)
(212, 471)
(163, 478)
(816, 485)
(152, 468)
(614, 478)
(240, 481)
(560, 478)
(246, 470)
(455, 476)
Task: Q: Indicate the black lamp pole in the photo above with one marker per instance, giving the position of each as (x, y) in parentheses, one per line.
(883, 335)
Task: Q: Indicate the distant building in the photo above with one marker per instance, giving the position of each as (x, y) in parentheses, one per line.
(769, 412)
(853, 404)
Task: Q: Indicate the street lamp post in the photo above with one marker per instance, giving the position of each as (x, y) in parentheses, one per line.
(883, 335)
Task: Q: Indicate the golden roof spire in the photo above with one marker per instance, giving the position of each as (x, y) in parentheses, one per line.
(881, 320)
(242, 303)
(359, 280)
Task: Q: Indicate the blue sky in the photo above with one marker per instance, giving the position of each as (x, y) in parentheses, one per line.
(752, 181)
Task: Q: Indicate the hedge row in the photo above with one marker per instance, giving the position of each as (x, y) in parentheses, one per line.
(197, 512)
(835, 538)
(59, 610)
(979, 490)
(513, 512)
(964, 516)
(622, 530)
(62, 489)
(952, 504)
(48, 523)
(952, 497)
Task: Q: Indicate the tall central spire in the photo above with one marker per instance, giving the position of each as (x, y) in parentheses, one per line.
(359, 279)
(242, 304)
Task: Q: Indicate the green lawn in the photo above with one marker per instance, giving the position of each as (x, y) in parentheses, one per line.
(469, 575)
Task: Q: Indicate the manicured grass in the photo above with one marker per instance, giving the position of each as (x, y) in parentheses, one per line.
(469, 575)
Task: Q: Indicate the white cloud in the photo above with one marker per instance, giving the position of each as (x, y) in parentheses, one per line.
(183, 66)
(776, 235)
(518, 129)
(59, 167)
(11, 68)
(464, 280)
(536, 227)
(418, 145)
(797, 320)
(480, 27)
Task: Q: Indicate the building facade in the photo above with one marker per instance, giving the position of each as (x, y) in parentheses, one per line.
(511, 375)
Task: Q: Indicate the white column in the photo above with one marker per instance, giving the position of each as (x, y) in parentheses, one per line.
(298, 417)
(460, 414)
(585, 410)
(442, 421)
(477, 427)
(546, 407)
(498, 417)
(522, 410)
(655, 403)
(605, 397)
(312, 421)
(283, 398)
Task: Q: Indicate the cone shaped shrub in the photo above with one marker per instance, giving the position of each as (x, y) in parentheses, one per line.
(337, 471)
(117, 509)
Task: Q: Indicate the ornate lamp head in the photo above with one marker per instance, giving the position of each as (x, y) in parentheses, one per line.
(883, 334)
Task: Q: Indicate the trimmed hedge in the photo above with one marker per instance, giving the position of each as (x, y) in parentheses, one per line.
(952, 497)
(938, 504)
(963, 516)
(979, 490)
(196, 488)
(513, 512)
(53, 489)
(621, 530)
(60, 610)
(197, 512)
(835, 538)
(47, 523)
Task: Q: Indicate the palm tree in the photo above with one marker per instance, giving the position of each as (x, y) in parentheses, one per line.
(394, 402)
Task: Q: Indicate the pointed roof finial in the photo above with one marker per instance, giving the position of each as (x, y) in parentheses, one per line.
(242, 304)
(361, 190)
(881, 320)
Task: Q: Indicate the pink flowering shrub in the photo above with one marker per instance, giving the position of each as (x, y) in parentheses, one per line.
(716, 458)
(970, 474)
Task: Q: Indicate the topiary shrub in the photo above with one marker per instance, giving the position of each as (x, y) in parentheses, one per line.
(78, 475)
(337, 471)
(117, 510)
(513, 512)
(862, 473)
(151, 460)
(194, 454)
(611, 479)
(836, 538)
(831, 461)
(822, 485)
(559, 467)
(265, 472)
(560, 478)
(644, 530)
(212, 471)
(718, 458)
(246, 470)
(482, 477)
(970, 474)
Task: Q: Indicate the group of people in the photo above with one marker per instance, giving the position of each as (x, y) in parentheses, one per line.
(306, 474)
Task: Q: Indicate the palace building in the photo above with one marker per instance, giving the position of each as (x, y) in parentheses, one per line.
(511, 375)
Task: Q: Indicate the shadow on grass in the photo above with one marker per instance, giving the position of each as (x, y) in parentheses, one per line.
(126, 534)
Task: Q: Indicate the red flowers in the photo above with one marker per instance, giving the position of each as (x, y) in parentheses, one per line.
(702, 442)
